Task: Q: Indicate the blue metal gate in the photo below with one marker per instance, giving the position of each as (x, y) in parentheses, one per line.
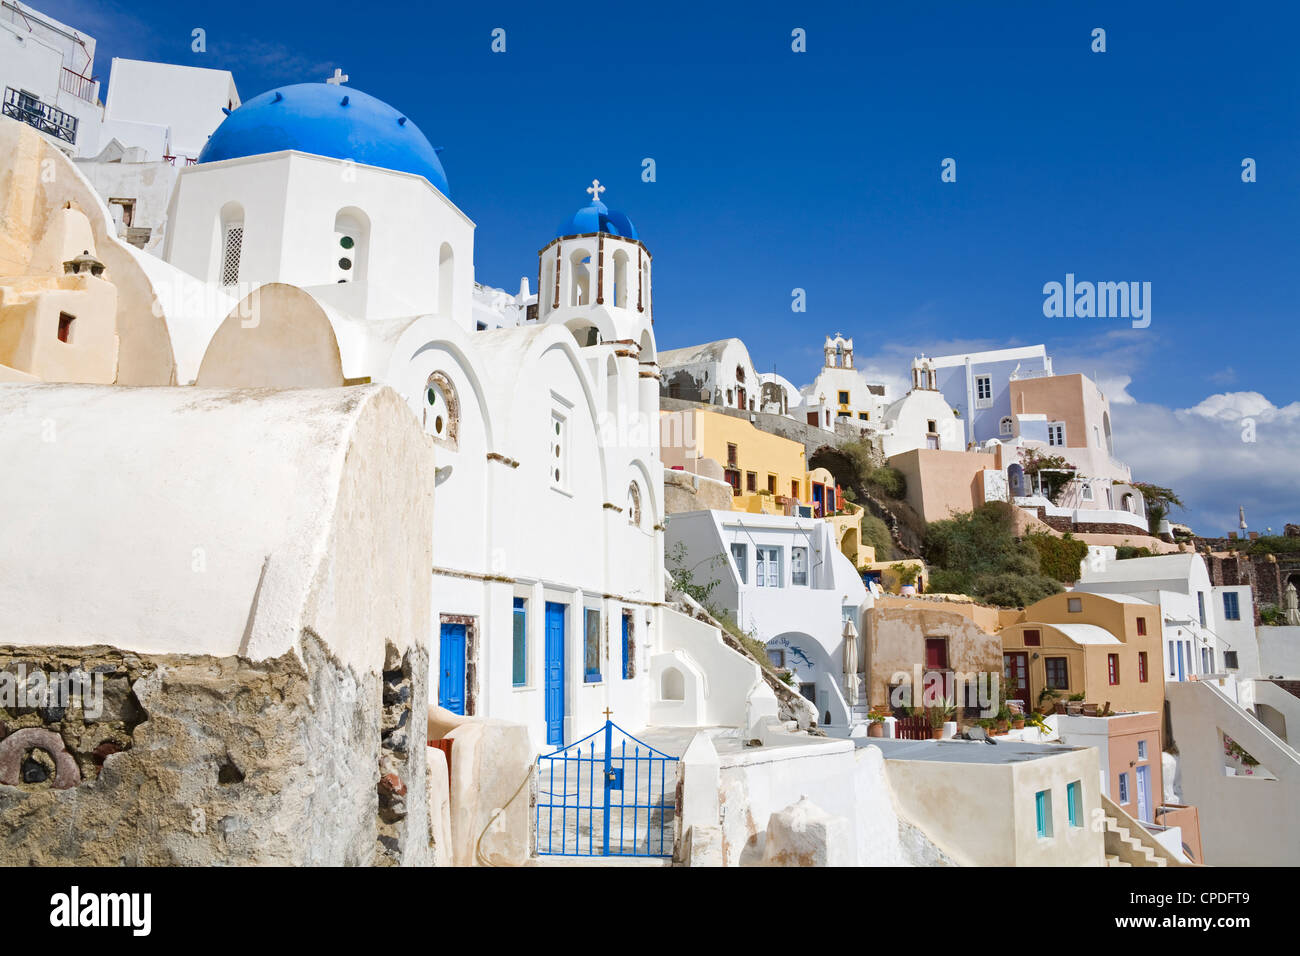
(609, 794)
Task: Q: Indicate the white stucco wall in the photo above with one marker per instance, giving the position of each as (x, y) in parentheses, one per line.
(215, 522)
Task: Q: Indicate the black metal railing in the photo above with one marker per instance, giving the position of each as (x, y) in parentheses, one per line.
(48, 119)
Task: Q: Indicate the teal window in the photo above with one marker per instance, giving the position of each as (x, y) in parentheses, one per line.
(591, 646)
(1074, 802)
(519, 670)
(1043, 811)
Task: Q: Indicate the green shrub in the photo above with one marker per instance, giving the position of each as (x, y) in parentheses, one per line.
(876, 533)
(1126, 551)
(948, 582)
(1058, 558)
(1014, 590)
(889, 481)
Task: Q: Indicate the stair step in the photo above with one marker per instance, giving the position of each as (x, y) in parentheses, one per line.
(1112, 860)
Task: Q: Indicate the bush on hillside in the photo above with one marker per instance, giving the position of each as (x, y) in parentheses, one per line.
(1059, 558)
(1126, 551)
(977, 553)
(876, 533)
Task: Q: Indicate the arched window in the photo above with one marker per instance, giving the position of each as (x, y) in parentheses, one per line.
(441, 410)
(1004, 426)
(351, 241)
(620, 279)
(644, 297)
(232, 243)
(634, 505)
(446, 279)
(580, 278)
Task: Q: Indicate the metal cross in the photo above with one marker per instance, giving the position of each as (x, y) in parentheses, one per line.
(595, 189)
(338, 78)
(608, 713)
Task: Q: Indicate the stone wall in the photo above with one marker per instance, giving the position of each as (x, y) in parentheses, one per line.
(202, 760)
(685, 492)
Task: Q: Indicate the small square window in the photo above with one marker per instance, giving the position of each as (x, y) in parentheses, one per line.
(771, 484)
(1230, 660)
(983, 387)
(1142, 627)
(777, 656)
(66, 324)
(1142, 750)
(1057, 671)
(1033, 638)
(751, 481)
(1123, 788)
(1074, 605)
(844, 398)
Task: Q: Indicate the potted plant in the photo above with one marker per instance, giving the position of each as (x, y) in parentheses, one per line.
(1004, 718)
(1074, 705)
(1037, 723)
(1017, 721)
(939, 714)
(1048, 699)
(877, 717)
(907, 575)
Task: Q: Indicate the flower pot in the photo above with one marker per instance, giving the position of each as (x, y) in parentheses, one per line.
(1018, 725)
(936, 733)
(1074, 707)
(1002, 726)
(876, 728)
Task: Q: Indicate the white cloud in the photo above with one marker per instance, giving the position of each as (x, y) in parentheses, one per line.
(1116, 389)
(1205, 455)
(1234, 406)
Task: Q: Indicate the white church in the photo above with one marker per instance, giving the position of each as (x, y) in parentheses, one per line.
(314, 244)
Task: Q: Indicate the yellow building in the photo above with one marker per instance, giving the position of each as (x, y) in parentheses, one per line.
(1104, 646)
(768, 474)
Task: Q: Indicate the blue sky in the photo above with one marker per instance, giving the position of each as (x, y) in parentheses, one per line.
(821, 170)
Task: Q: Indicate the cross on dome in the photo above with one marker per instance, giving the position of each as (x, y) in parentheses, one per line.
(595, 189)
(338, 78)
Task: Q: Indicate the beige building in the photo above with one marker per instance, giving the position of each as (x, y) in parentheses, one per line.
(1106, 647)
(905, 636)
(1014, 804)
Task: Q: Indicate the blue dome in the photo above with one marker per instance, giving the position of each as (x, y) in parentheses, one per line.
(326, 120)
(598, 218)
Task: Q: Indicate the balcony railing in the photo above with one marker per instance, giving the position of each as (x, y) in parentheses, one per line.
(48, 119)
(82, 87)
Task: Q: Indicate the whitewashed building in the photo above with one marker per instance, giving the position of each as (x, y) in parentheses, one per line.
(1180, 585)
(325, 214)
(786, 583)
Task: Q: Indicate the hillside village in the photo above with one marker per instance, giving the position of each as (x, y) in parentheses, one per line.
(370, 563)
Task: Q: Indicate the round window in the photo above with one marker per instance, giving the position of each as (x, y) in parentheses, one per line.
(432, 396)
(345, 263)
(437, 425)
(346, 242)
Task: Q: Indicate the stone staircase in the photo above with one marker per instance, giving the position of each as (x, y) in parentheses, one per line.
(1128, 844)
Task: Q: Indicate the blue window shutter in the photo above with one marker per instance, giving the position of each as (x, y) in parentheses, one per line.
(519, 666)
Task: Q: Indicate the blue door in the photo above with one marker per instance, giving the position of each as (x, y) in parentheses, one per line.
(626, 621)
(451, 657)
(554, 682)
(1179, 645)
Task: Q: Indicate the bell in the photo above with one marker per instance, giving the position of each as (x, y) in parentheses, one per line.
(82, 264)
